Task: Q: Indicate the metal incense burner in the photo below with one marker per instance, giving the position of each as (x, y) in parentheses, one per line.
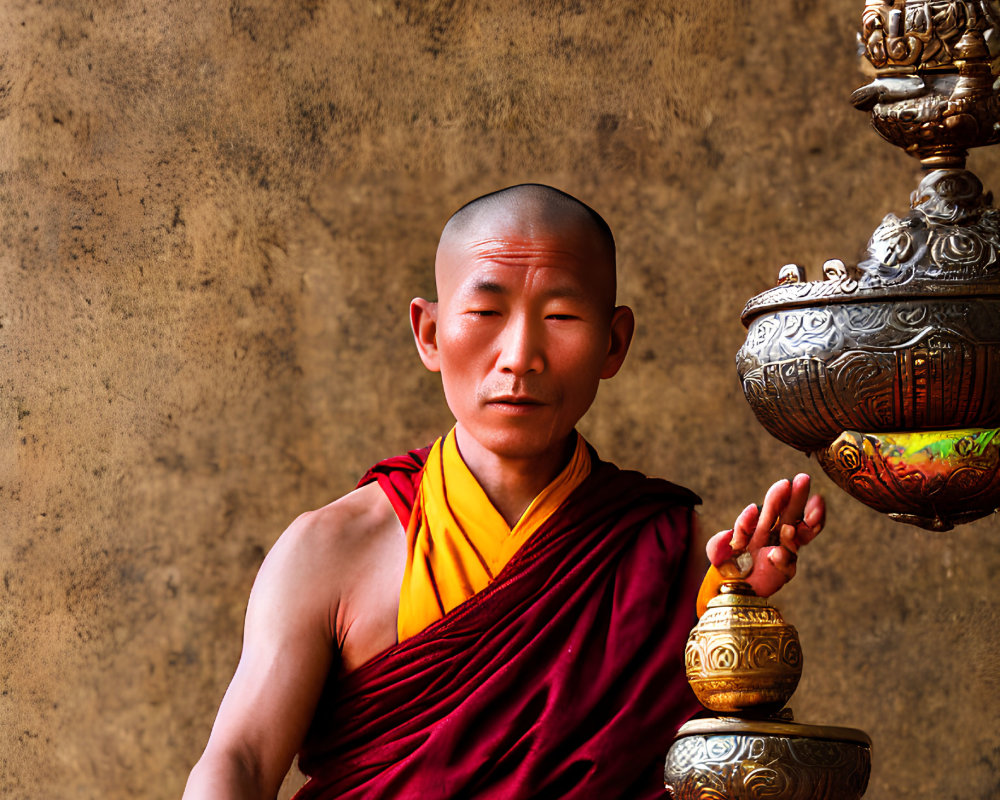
(744, 661)
(888, 371)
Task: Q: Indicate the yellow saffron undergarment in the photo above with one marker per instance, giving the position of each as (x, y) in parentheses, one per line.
(457, 542)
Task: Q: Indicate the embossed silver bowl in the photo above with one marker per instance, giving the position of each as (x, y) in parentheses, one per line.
(740, 759)
(908, 340)
(930, 364)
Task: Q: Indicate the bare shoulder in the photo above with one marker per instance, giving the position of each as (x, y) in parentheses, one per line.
(346, 561)
(338, 530)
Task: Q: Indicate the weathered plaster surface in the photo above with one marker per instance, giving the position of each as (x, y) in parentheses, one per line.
(212, 218)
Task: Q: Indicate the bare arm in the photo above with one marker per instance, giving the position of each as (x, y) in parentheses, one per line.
(288, 650)
(326, 598)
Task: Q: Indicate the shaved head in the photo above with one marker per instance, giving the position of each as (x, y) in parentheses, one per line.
(533, 210)
(545, 204)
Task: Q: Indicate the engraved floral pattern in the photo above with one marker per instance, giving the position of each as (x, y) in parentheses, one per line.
(847, 457)
(953, 248)
(892, 242)
(760, 767)
(811, 373)
(934, 486)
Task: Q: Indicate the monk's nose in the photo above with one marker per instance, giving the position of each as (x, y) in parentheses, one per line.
(521, 348)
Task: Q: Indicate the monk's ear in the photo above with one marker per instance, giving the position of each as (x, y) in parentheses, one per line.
(622, 328)
(423, 320)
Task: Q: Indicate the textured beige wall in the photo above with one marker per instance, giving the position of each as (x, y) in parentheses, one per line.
(212, 218)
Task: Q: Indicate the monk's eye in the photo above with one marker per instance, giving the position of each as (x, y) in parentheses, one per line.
(483, 312)
(561, 316)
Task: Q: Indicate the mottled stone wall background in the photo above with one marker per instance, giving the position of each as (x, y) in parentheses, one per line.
(212, 218)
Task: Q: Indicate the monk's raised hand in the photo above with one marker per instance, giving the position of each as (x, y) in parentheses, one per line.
(772, 534)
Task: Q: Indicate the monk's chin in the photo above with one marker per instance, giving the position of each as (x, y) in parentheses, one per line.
(523, 444)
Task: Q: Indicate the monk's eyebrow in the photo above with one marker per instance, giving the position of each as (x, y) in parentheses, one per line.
(487, 286)
(570, 292)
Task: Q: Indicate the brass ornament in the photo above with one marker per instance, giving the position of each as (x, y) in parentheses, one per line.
(742, 655)
(933, 94)
(934, 480)
(743, 659)
(901, 35)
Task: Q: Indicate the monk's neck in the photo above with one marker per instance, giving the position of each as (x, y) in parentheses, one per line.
(512, 483)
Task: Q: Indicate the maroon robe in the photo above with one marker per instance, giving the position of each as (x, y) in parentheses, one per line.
(563, 678)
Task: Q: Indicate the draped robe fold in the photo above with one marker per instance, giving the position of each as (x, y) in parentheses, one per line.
(563, 678)
(457, 542)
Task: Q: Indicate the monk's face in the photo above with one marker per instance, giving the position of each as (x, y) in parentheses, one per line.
(523, 331)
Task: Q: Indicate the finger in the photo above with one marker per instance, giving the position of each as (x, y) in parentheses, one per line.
(811, 525)
(792, 513)
(788, 537)
(718, 548)
(744, 527)
(783, 560)
(771, 571)
(774, 501)
(815, 513)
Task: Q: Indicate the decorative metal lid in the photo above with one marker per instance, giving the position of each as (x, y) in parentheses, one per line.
(946, 247)
(712, 726)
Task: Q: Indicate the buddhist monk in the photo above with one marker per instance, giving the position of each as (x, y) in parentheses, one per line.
(502, 614)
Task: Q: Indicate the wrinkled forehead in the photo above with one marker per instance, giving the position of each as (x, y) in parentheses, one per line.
(508, 240)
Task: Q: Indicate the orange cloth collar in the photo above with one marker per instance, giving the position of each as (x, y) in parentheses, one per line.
(457, 541)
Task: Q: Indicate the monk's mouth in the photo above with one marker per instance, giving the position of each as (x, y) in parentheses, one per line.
(515, 404)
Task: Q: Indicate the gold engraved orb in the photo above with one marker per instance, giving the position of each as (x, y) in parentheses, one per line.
(742, 655)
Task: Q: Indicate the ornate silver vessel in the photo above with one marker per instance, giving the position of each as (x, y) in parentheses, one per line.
(740, 759)
(889, 370)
